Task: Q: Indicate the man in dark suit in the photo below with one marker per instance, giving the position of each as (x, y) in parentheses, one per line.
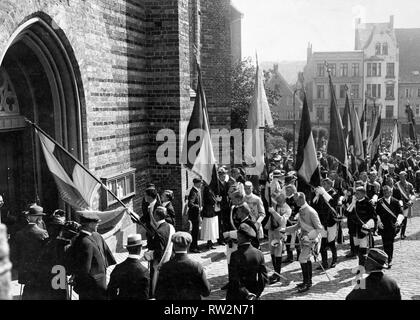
(150, 202)
(182, 278)
(158, 243)
(195, 205)
(247, 271)
(27, 247)
(377, 286)
(390, 217)
(130, 279)
(90, 258)
(224, 184)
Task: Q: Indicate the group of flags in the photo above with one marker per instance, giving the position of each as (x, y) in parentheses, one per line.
(349, 143)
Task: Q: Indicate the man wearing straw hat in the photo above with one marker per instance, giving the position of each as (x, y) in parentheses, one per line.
(28, 244)
(182, 278)
(377, 286)
(130, 279)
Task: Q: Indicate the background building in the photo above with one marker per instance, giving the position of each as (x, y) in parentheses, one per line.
(346, 72)
(103, 78)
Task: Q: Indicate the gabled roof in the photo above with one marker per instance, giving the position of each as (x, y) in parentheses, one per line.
(409, 44)
(366, 31)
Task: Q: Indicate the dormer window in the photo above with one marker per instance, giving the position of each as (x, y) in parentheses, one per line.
(385, 49)
(378, 49)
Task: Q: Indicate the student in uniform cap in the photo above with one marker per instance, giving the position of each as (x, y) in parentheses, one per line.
(182, 278)
(130, 279)
(167, 197)
(91, 257)
(377, 286)
(28, 244)
(247, 271)
(150, 202)
(274, 187)
(224, 184)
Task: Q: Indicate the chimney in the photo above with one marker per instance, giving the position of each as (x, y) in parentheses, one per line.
(276, 68)
(357, 22)
(391, 21)
(309, 52)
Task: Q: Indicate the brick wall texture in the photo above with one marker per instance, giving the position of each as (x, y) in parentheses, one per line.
(134, 59)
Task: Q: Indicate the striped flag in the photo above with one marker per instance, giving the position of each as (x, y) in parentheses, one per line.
(198, 155)
(357, 136)
(347, 124)
(375, 139)
(307, 165)
(75, 186)
(336, 143)
(364, 128)
(259, 116)
(396, 140)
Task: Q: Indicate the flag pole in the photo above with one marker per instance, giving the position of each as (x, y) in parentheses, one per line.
(136, 219)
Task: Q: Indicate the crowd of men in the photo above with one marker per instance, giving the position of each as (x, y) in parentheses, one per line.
(240, 213)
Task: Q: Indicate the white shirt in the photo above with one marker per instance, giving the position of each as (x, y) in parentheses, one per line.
(134, 256)
(158, 223)
(151, 206)
(181, 251)
(388, 200)
(165, 203)
(86, 232)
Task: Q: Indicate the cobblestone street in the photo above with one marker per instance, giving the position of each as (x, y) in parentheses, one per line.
(404, 270)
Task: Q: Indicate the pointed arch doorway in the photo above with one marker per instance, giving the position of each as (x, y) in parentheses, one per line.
(39, 80)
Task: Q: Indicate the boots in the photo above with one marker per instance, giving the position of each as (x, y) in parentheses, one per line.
(274, 277)
(304, 275)
(362, 256)
(334, 254)
(277, 268)
(307, 280)
(289, 255)
(352, 252)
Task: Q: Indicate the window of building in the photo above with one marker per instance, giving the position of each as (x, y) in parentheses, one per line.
(369, 90)
(407, 93)
(385, 49)
(417, 110)
(320, 91)
(389, 91)
(320, 113)
(342, 91)
(355, 91)
(333, 69)
(355, 69)
(122, 185)
(379, 73)
(344, 69)
(373, 69)
(390, 70)
(378, 49)
(389, 112)
(418, 92)
(369, 70)
(320, 70)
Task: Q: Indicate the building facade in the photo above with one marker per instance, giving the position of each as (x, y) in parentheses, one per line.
(347, 76)
(102, 78)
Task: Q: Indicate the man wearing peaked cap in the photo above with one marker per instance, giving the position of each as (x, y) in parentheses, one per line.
(182, 278)
(247, 271)
(130, 279)
(195, 206)
(90, 258)
(377, 286)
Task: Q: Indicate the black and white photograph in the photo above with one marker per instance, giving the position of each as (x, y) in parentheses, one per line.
(228, 151)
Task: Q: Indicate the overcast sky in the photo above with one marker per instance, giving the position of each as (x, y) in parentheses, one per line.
(281, 29)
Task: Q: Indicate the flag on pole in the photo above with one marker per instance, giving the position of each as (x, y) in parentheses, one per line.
(375, 140)
(307, 165)
(396, 140)
(198, 155)
(347, 124)
(411, 123)
(336, 143)
(259, 115)
(357, 136)
(364, 128)
(75, 186)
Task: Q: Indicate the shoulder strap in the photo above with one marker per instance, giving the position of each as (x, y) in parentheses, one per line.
(385, 206)
(404, 194)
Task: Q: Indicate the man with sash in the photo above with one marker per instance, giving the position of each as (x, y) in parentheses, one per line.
(407, 193)
(362, 214)
(373, 187)
(325, 204)
(310, 230)
(390, 217)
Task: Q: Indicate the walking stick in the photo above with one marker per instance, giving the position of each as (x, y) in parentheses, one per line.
(316, 260)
